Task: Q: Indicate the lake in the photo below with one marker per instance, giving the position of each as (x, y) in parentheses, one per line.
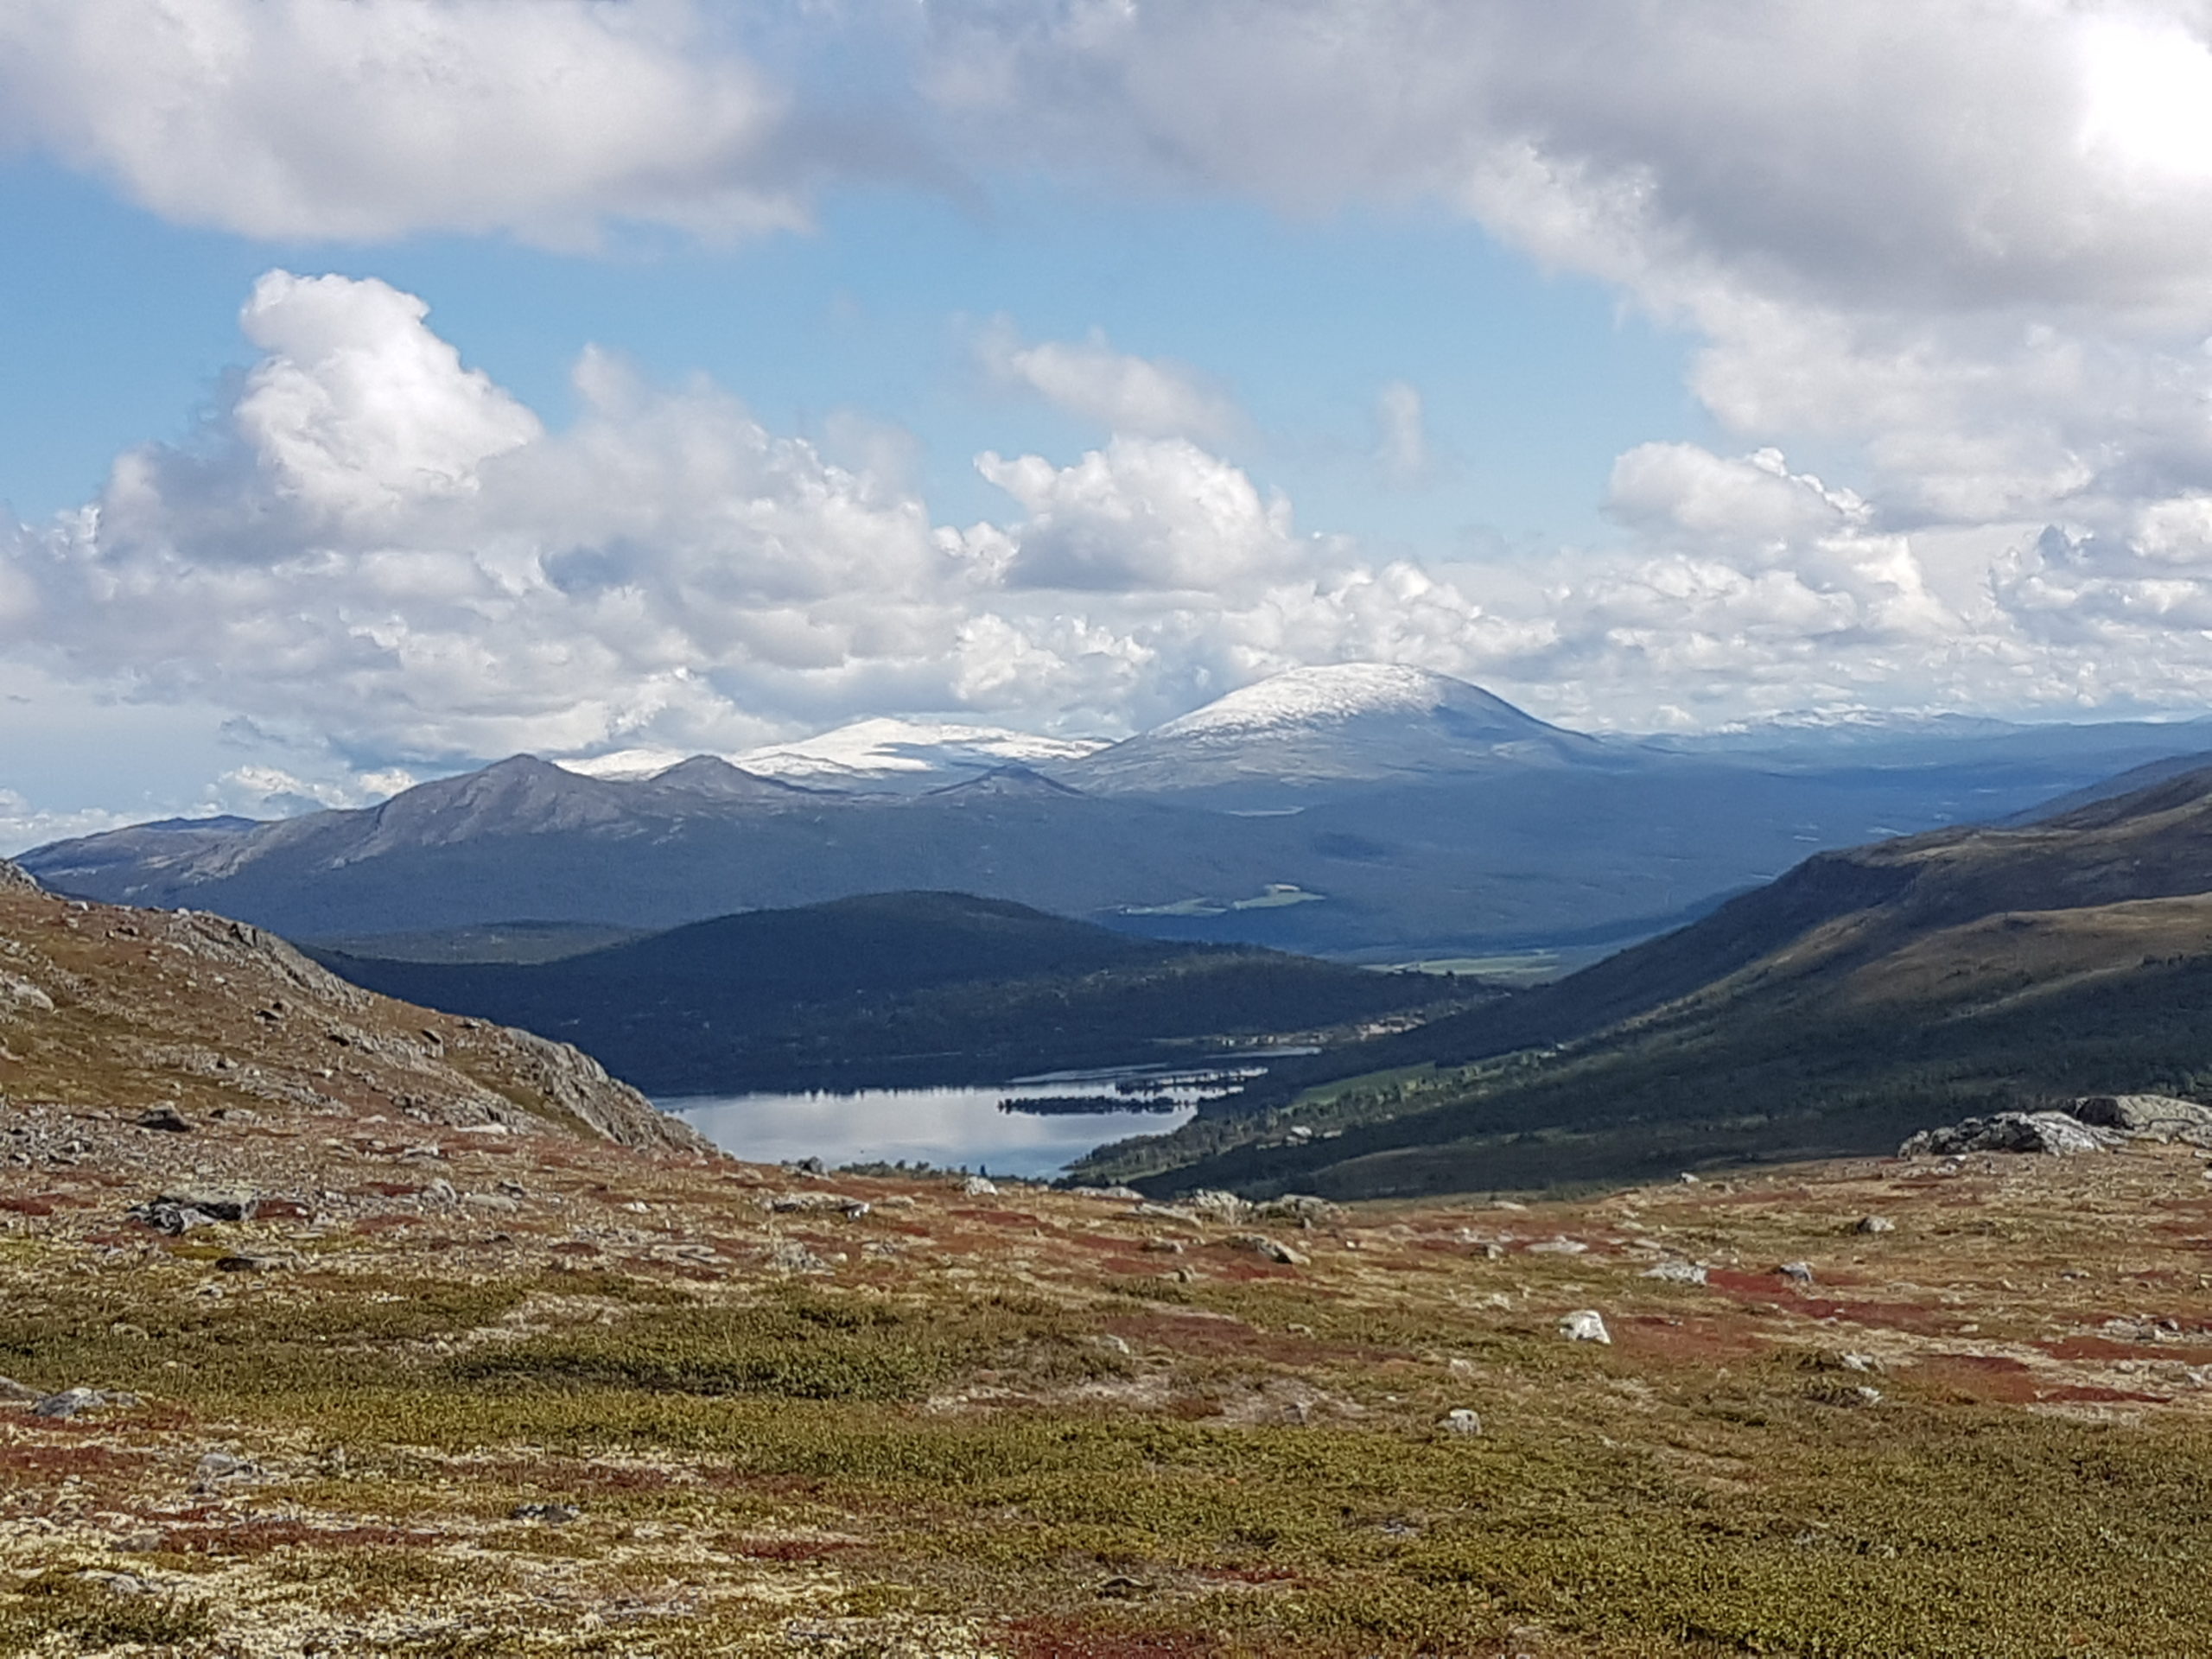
(952, 1128)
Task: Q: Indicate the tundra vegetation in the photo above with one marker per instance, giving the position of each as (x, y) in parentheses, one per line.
(373, 1346)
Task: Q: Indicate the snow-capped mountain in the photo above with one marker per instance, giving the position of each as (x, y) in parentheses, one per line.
(1346, 723)
(882, 756)
(909, 755)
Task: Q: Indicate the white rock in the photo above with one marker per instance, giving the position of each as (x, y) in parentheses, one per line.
(1459, 1420)
(1584, 1325)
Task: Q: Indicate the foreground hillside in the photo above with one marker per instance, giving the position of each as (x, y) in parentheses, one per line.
(1864, 994)
(901, 988)
(172, 1018)
(445, 1393)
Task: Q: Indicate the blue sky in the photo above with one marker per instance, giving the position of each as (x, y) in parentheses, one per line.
(386, 385)
(122, 327)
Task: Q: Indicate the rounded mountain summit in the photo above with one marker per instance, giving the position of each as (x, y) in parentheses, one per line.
(1342, 723)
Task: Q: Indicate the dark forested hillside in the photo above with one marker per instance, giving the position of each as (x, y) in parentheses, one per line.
(897, 989)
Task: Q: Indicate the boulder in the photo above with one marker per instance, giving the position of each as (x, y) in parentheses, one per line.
(2146, 1117)
(1459, 1420)
(1677, 1273)
(1584, 1325)
(2056, 1133)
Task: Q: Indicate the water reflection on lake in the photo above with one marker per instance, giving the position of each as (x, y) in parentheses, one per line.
(949, 1127)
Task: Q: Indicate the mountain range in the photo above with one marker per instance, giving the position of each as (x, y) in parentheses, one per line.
(1361, 811)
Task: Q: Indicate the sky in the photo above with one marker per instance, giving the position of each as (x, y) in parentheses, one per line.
(389, 385)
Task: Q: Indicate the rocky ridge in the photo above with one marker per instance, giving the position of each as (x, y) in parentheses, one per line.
(135, 1011)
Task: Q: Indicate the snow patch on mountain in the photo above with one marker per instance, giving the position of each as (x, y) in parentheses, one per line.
(889, 751)
(1335, 694)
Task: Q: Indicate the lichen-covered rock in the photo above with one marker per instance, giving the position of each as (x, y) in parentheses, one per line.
(2144, 1117)
(2055, 1133)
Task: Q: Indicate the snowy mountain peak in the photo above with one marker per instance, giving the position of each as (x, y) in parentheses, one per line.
(1337, 693)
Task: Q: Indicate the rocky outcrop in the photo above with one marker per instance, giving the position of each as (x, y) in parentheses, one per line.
(2147, 1117)
(14, 877)
(2092, 1124)
(577, 1086)
(2056, 1133)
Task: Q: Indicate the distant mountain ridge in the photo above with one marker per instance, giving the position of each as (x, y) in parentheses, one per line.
(1388, 812)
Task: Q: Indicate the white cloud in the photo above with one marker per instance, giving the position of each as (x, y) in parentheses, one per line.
(23, 825)
(1142, 513)
(365, 119)
(1136, 396)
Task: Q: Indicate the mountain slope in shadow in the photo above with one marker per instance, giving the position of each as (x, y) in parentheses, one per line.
(1864, 993)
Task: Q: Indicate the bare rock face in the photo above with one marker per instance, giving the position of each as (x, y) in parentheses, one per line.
(577, 1085)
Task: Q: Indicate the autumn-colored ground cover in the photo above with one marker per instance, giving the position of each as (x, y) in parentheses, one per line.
(491, 1402)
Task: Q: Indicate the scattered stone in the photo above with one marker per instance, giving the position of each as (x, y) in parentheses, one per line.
(217, 1466)
(1301, 1207)
(1875, 1225)
(1163, 1246)
(1585, 1325)
(1687, 1179)
(1273, 1249)
(1559, 1247)
(1122, 1587)
(2056, 1133)
(1459, 1420)
(978, 1186)
(1128, 1193)
(167, 1119)
(1167, 1212)
(785, 1204)
(810, 1167)
(1868, 1397)
(1675, 1273)
(217, 1202)
(1798, 1273)
(789, 1256)
(120, 1584)
(70, 1401)
(1225, 1207)
(1859, 1363)
(1111, 1344)
(554, 1514)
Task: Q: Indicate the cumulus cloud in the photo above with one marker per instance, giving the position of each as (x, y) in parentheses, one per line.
(1142, 514)
(1142, 397)
(365, 119)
